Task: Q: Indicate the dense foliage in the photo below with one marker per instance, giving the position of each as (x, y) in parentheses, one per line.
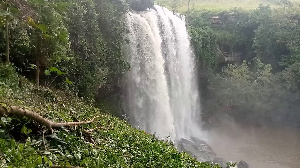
(107, 142)
(251, 59)
(81, 38)
(74, 47)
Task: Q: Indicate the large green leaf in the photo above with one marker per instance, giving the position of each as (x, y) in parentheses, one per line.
(54, 69)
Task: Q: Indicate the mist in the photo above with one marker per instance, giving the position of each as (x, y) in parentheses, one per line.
(259, 146)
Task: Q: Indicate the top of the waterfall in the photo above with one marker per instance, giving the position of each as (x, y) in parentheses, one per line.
(168, 12)
(165, 10)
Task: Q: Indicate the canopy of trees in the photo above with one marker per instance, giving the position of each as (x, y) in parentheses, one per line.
(81, 39)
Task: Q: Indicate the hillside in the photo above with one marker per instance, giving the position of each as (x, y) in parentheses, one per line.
(57, 59)
(106, 142)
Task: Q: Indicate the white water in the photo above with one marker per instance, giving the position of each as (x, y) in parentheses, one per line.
(161, 94)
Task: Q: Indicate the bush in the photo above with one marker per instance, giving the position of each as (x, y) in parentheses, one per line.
(8, 77)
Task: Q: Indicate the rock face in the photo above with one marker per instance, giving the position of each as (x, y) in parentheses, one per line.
(200, 150)
(141, 5)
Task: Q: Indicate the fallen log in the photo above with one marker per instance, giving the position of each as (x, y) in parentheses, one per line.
(17, 111)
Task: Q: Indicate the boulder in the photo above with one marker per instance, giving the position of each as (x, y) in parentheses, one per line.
(200, 150)
(242, 164)
(203, 152)
(197, 148)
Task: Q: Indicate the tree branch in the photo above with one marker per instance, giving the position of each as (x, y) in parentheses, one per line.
(14, 110)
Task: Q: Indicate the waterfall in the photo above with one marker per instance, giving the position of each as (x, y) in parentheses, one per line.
(161, 91)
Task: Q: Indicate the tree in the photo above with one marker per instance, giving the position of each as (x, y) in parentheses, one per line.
(4, 18)
(277, 38)
(50, 38)
(82, 38)
(7, 32)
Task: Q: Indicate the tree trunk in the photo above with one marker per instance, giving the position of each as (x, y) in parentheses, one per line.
(7, 34)
(37, 73)
(37, 59)
(187, 21)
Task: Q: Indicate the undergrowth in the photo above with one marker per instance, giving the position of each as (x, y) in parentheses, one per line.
(107, 142)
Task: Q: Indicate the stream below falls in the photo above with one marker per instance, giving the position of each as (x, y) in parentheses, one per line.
(260, 147)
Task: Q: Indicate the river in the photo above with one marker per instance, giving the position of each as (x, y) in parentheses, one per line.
(260, 147)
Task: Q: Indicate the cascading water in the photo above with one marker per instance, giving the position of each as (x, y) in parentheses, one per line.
(161, 94)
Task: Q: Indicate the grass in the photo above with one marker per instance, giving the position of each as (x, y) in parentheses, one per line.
(111, 142)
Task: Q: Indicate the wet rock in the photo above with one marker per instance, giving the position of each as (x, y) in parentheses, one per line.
(221, 162)
(200, 150)
(197, 148)
(242, 164)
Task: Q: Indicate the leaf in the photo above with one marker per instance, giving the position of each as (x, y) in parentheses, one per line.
(54, 69)
(46, 36)
(68, 81)
(14, 10)
(46, 153)
(33, 66)
(24, 130)
(5, 120)
(42, 28)
(47, 72)
(60, 73)
(21, 147)
(31, 22)
(40, 159)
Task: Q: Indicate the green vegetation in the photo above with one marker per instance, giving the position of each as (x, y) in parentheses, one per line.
(74, 48)
(69, 35)
(107, 142)
(251, 62)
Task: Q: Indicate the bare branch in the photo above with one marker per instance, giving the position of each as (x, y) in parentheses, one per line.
(14, 110)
